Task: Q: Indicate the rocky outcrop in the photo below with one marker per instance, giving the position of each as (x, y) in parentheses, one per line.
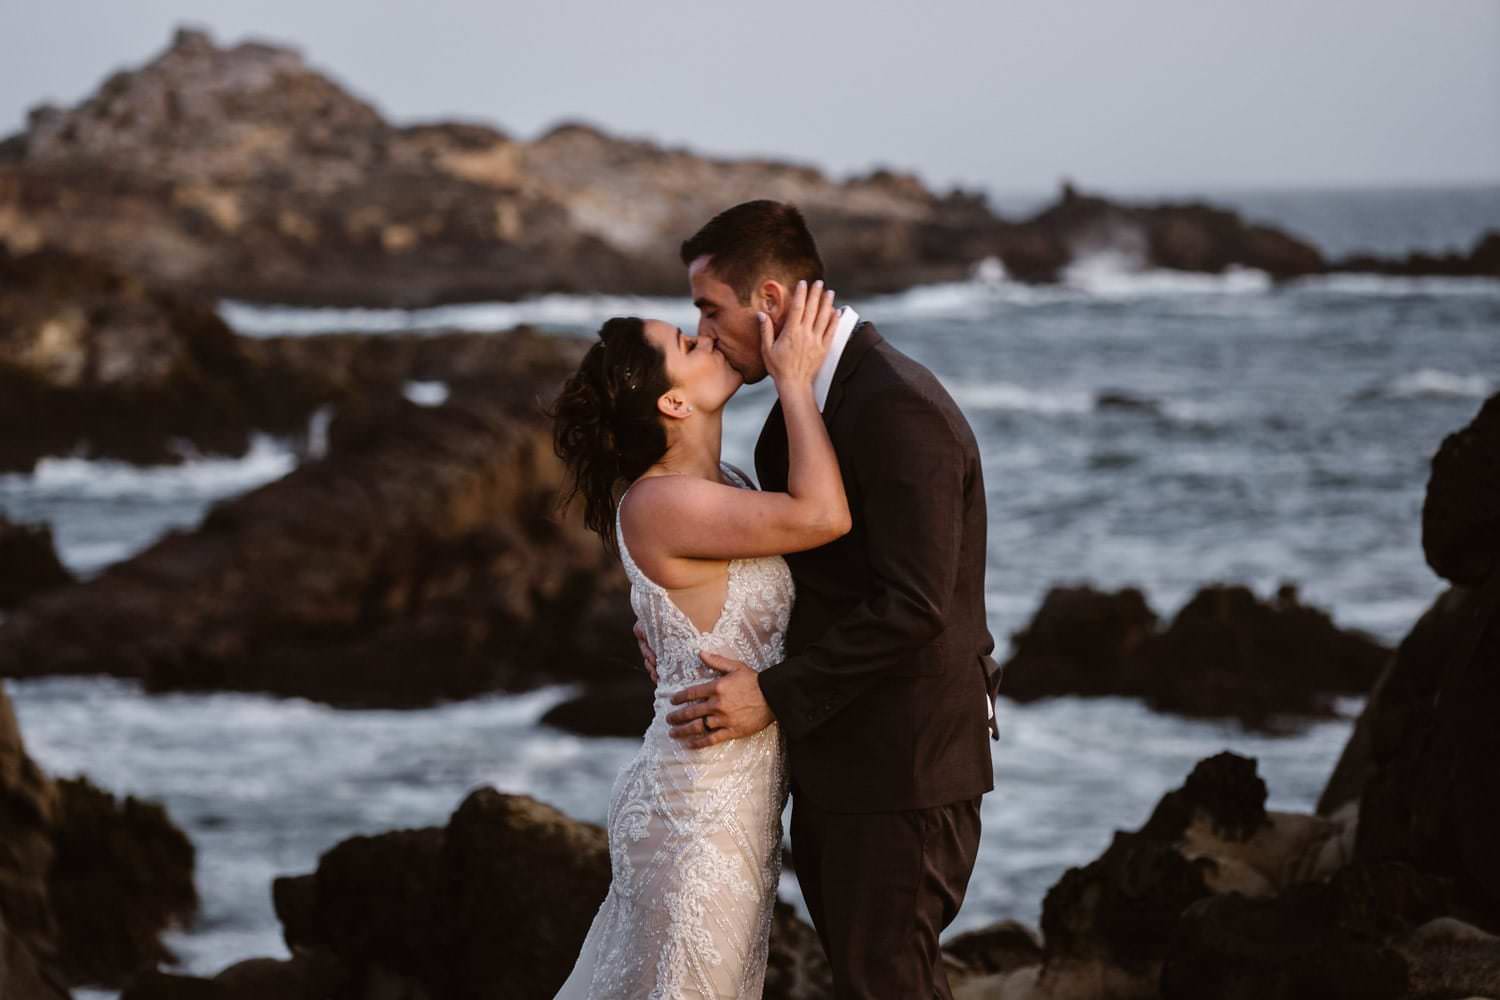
(30, 561)
(241, 171)
(124, 371)
(87, 883)
(1421, 761)
(494, 904)
(1225, 653)
(1216, 896)
(421, 559)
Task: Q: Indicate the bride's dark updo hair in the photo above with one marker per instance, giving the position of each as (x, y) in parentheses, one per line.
(605, 425)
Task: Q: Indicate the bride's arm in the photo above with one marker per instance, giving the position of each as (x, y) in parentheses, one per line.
(697, 519)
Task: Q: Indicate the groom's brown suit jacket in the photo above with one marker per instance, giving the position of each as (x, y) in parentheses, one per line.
(881, 695)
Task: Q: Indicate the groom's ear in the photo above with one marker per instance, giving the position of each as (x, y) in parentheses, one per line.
(773, 300)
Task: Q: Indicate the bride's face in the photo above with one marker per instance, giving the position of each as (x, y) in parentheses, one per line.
(695, 366)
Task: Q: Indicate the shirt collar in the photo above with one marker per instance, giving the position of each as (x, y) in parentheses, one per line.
(823, 381)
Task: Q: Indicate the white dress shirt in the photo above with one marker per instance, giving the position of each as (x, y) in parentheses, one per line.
(823, 381)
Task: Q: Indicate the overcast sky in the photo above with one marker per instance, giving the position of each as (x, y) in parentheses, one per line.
(1148, 95)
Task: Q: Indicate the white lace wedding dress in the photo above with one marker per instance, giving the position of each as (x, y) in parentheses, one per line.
(694, 835)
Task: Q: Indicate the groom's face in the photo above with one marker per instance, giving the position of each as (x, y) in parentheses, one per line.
(732, 323)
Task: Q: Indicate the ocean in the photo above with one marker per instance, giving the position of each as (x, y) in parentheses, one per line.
(1155, 429)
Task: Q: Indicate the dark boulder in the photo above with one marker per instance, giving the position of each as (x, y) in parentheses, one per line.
(1225, 653)
(619, 708)
(1076, 643)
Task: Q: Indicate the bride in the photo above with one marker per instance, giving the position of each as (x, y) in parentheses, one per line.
(695, 835)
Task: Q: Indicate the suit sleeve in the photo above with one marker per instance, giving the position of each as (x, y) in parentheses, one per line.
(909, 466)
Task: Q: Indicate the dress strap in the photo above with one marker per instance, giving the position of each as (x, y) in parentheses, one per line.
(736, 473)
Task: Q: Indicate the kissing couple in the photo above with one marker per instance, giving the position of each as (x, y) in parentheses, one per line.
(823, 634)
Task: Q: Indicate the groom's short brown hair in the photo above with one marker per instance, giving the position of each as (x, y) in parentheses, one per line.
(754, 240)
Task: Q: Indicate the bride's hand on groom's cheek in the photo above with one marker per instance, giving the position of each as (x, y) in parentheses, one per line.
(726, 708)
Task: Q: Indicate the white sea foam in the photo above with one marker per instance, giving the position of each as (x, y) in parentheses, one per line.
(73, 477)
(1376, 285)
(1117, 276)
(425, 393)
(980, 396)
(1433, 383)
(548, 311)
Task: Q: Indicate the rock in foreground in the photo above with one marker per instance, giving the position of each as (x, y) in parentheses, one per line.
(87, 883)
(495, 904)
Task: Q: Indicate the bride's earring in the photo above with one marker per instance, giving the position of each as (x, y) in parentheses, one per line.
(689, 407)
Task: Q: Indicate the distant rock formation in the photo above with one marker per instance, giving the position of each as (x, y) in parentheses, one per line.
(241, 172)
(87, 883)
(493, 905)
(1225, 653)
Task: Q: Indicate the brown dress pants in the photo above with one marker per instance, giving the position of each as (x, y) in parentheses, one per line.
(881, 887)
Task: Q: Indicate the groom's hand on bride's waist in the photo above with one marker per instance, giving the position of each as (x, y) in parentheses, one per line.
(726, 708)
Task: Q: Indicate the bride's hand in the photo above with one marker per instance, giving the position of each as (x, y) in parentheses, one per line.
(794, 356)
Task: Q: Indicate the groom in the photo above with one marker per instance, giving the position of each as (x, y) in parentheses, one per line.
(886, 696)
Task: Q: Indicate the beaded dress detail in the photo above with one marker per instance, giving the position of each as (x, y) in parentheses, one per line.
(694, 835)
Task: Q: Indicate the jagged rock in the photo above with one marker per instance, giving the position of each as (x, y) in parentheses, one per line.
(30, 561)
(122, 873)
(495, 904)
(1225, 653)
(420, 560)
(1188, 891)
(87, 884)
(30, 967)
